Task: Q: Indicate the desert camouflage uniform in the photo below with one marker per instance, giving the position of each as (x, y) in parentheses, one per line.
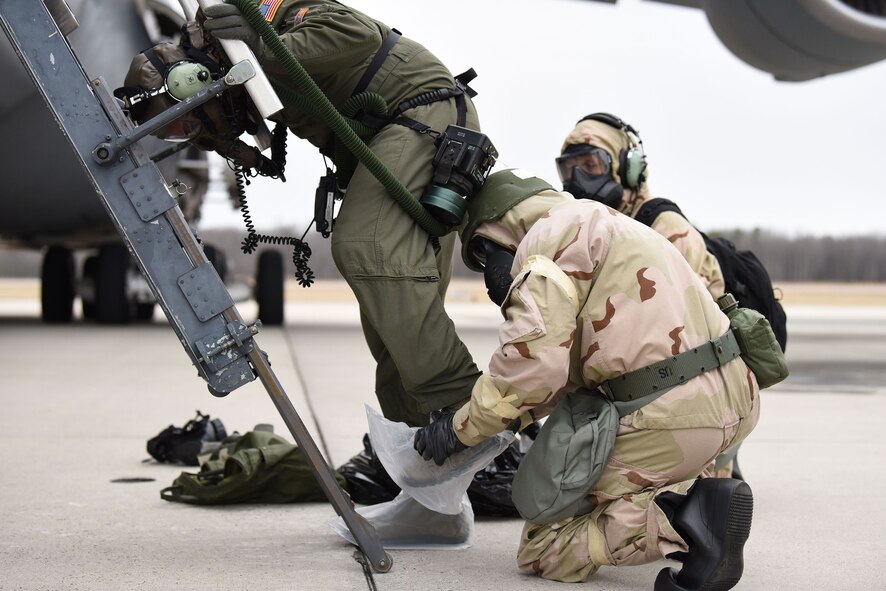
(669, 224)
(596, 295)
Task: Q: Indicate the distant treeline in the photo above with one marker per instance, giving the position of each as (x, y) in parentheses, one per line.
(815, 258)
(803, 258)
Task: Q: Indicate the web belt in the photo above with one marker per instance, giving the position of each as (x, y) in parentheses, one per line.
(642, 386)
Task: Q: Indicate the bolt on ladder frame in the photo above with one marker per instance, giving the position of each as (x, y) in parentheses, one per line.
(193, 297)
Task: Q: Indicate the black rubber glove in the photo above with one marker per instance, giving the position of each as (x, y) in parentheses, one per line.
(438, 441)
(497, 271)
(225, 21)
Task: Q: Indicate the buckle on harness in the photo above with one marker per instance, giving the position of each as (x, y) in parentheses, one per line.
(463, 79)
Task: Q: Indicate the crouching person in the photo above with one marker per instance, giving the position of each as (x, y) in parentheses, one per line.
(597, 303)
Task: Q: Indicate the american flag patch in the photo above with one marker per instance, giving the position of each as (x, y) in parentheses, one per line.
(269, 8)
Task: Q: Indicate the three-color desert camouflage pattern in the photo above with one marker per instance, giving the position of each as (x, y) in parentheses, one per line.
(596, 295)
(671, 225)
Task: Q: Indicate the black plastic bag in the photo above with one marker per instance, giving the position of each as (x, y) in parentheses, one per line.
(366, 480)
(490, 490)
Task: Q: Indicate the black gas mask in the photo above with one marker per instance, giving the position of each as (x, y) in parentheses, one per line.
(586, 172)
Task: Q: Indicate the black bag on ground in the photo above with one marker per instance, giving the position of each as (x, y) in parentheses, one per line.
(183, 444)
(744, 275)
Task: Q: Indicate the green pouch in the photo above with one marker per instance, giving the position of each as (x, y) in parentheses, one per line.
(759, 347)
(262, 468)
(566, 459)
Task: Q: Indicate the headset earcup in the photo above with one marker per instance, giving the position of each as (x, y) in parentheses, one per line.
(624, 164)
(632, 164)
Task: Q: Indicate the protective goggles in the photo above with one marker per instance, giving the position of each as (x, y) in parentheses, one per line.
(594, 162)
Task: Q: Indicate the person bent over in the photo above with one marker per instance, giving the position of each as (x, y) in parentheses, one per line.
(596, 296)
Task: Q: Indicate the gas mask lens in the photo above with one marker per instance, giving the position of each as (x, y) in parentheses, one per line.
(592, 161)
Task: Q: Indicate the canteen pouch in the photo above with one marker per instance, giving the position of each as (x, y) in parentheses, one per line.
(759, 347)
(566, 459)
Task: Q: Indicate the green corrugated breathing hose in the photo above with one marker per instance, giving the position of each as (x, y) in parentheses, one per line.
(329, 115)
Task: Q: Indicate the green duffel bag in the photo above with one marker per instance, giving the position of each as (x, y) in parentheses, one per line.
(756, 341)
(261, 468)
(566, 459)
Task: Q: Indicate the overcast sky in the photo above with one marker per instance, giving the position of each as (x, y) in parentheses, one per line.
(727, 142)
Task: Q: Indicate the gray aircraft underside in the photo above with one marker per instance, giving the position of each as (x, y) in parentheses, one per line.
(46, 199)
(797, 40)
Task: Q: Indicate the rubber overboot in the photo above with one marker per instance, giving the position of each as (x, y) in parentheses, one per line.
(367, 481)
(714, 520)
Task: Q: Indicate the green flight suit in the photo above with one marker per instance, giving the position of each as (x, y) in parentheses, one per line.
(384, 256)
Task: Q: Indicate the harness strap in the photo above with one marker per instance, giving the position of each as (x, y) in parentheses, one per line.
(426, 98)
(155, 60)
(200, 56)
(641, 386)
(462, 83)
(463, 80)
(380, 56)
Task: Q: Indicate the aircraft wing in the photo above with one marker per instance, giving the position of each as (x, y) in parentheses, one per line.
(797, 40)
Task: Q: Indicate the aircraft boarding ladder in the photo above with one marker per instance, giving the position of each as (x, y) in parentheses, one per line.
(139, 201)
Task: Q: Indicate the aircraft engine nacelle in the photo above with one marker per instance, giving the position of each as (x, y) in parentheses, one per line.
(799, 40)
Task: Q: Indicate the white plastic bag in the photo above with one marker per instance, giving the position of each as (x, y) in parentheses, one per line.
(439, 488)
(406, 524)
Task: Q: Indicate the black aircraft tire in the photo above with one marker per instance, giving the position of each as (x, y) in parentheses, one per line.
(145, 312)
(111, 302)
(219, 260)
(269, 288)
(90, 272)
(57, 285)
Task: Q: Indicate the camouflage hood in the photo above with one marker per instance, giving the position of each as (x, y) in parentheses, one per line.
(510, 229)
(613, 140)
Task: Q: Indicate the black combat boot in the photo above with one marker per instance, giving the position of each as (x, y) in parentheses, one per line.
(715, 520)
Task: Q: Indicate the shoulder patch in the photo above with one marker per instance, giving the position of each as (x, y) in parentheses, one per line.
(268, 8)
(299, 16)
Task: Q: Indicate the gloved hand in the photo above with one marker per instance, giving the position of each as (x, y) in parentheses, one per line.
(225, 21)
(438, 441)
(497, 271)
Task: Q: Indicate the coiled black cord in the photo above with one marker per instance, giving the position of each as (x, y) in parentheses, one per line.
(301, 252)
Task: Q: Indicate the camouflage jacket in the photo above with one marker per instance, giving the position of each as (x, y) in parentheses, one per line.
(596, 295)
(335, 44)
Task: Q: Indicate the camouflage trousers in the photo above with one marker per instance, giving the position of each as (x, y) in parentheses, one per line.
(627, 527)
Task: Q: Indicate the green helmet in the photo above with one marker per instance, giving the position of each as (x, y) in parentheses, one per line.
(501, 191)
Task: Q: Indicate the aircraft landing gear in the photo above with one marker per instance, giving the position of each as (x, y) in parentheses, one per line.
(112, 305)
(57, 285)
(219, 260)
(87, 287)
(269, 288)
